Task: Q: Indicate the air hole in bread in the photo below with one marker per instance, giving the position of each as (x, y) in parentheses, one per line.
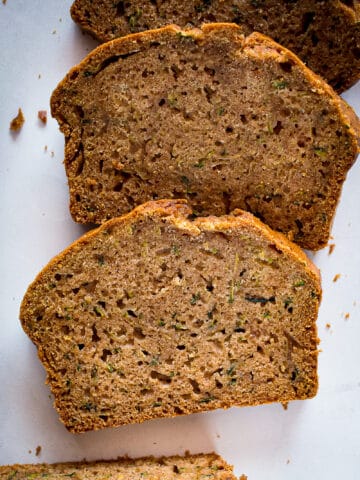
(218, 384)
(314, 39)
(195, 386)
(118, 187)
(95, 337)
(278, 127)
(105, 354)
(286, 66)
(163, 379)
(356, 52)
(307, 20)
(138, 333)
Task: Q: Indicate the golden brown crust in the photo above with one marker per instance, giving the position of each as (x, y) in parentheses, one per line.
(258, 286)
(323, 133)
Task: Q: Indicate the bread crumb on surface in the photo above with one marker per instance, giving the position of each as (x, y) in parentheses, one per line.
(328, 325)
(42, 116)
(4, 2)
(285, 405)
(17, 122)
(336, 278)
(331, 248)
(347, 316)
(243, 477)
(38, 450)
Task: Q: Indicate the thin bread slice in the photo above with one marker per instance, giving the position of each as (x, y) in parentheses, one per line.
(189, 467)
(223, 120)
(324, 34)
(154, 315)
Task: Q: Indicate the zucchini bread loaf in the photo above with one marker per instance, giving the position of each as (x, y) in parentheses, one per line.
(223, 120)
(156, 314)
(190, 467)
(324, 34)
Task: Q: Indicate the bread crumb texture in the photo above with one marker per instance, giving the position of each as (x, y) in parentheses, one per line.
(223, 120)
(190, 467)
(17, 122)
(324, 34)
(157, 315)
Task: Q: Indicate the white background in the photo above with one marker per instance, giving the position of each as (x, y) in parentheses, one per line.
(313, 439)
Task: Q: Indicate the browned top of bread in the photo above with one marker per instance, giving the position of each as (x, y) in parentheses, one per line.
(324, 34)
(223, 120)
(155, 315)
(190, 467)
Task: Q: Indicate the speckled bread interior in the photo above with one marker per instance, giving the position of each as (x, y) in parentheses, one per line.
(157, 314)
(324, 34)
(190, 467)
(221, 119)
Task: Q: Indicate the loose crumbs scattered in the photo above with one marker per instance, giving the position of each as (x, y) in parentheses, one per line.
(38, 450)
(336, 278)
(331, 248)
(42, 116)
(347, 316)
(17, 122)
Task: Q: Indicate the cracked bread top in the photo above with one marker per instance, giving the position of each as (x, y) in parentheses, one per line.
(156, 315)
(324, 34)
(224, 120)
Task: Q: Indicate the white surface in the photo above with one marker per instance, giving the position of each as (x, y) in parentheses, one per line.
(314, 439)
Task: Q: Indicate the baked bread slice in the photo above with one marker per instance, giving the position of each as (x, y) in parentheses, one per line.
(190, 467)
(222, 120)
(324, 34)
(155, 315)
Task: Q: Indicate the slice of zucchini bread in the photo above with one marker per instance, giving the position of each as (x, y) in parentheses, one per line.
(223, 120)
(156, 314)
(189, 467)
(324, 34)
